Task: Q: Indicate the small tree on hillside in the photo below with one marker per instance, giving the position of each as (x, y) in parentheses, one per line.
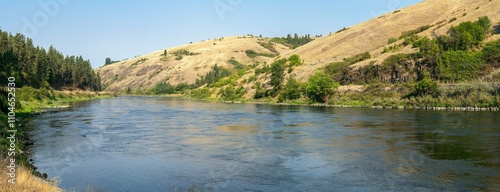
(108, 61)
(320, 87)
(291, 90)
(278, 74)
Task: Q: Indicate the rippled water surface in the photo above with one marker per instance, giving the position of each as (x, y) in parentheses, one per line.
(174, 144)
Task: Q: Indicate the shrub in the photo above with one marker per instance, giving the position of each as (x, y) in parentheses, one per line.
(269, 46)
(291, 90)
(201, 93)
(237, 65)
(294, 60)
(469, 35)
(358, 58)
(231, 94)
(265, 69)
(181, 52)
(251, 78)
(320, 87)
(491, 53)
(336, 69)
(392, 48)
(392, 40)
(343, 29)
(426, 86)
(139, 61)
(163, 88)
(427, 47)
(414, 31)
(459, 65)
(260, 91)
(226, 81)
(278, 74)
(212, 76)
(253, 54)
(396, 59)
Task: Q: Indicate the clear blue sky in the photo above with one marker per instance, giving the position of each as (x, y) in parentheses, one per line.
(121, 29)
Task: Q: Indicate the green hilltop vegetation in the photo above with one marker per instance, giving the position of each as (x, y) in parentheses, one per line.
(293, 42)
(453, 70)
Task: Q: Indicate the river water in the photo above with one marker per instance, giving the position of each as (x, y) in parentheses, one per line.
(175, 144)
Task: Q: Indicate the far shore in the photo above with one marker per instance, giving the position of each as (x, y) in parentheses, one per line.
(428, 108)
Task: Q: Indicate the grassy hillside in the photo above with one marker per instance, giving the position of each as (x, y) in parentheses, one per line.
(373, 35)
(184, 64)
(410, 57)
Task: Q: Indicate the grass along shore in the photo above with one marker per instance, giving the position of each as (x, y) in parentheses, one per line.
(472, 96)
(30, 101)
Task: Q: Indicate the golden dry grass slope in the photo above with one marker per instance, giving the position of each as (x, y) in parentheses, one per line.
(371, 36)
(148, 70)
(25, 181)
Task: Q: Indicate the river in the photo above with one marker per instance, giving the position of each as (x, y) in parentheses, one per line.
(176, 144)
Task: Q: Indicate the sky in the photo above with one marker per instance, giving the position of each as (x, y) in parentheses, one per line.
(121, 29)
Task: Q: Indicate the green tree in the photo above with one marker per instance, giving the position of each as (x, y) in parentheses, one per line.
(231, 94)
(164, 88)
(165, 53)
(294, 60)
(228, 93)
(277, 74)
(459, 65)
(426, 86)
(427, 47)
(260, 92)
(108, 61)
(485, 23)
(320, 87)
(292, 89)
(40, 68)
(469, 35)
(491, 53)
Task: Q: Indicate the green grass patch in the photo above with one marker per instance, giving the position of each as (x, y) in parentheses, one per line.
(253, 54)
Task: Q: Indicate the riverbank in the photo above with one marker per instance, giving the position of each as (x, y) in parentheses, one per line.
(29, 101)
(372, 107)
(474, 96)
